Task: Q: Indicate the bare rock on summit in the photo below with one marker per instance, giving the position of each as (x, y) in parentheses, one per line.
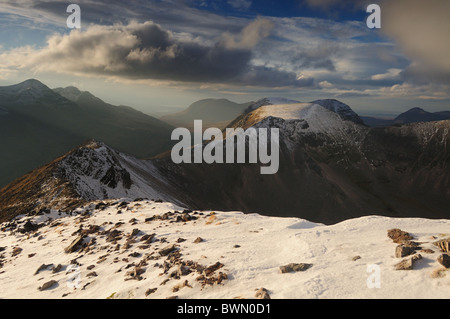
(444, 260)
(399, 236)
(262, 293)
(443, 244)
(292, 267)
(167, 250)
(48, 285)
(75, 244)
(404, 250)
(407, 264)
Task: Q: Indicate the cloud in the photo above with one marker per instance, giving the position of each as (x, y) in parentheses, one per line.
(318, 57)
(147, 51)
(391, 74)
(421, 29)
(240, 4)
(250, 36)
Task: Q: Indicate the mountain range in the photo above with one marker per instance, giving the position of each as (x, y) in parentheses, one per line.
(38, 124)
(332, 166)
(413, 115)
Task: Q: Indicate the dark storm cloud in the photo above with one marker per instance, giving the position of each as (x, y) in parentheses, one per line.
(147, 51)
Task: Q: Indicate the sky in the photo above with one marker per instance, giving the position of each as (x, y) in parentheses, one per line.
(162, 55)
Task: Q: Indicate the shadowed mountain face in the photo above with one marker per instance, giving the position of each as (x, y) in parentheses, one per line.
(38, 124)
(331, 168)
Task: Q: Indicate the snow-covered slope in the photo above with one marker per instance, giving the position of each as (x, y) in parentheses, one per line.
(147, 249)
(307, 119)
(269, 101)
(342, 109)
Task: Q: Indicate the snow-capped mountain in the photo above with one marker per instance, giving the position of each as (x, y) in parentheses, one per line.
(90, 172)
(331, 167)
(342, 109)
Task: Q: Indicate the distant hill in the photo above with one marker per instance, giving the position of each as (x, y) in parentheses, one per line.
(37, 124)
(417, 114)
(213, 113)
(414, 115)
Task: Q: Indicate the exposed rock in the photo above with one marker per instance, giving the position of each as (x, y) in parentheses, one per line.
(209, 270)
(403, 251)
(444, 260)
(407, 264)
(262, 293)
(42, 267)
(29, 227)
(181, 285)
(294, 267)
(57, 268)
(16, 251)
(398, 236)
(150, 291)
(356, 258)
(113, 235)
(167, 250)
(75, 245)
(48, 285)
(135, 273)
(183, 270)
(134, 232)
(444, 245)
(147, 239)
(198, 240)
(92, 229)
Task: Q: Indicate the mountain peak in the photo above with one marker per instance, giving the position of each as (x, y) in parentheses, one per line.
(30, 92)
(31, 83)
(416, 110)
(269, 101)
(418, 114)
(341, 109)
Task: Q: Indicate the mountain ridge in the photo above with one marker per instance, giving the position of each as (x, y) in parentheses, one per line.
(334, 166)
(37, 125)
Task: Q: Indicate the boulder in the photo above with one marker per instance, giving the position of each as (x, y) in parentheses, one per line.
(403, 251)
(262, 293)
(75, 245)
(48, 285)
(408, 264)
(293, 267)
(444, 260)
(398, 236)
(167, 250)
